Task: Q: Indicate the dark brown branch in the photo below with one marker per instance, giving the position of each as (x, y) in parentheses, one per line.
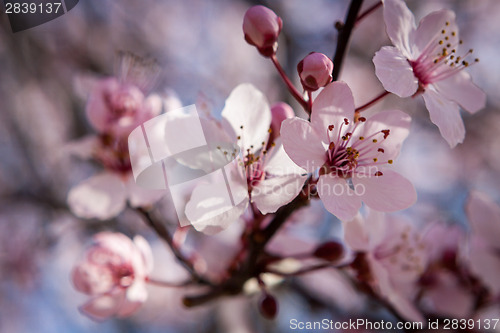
(344, 35)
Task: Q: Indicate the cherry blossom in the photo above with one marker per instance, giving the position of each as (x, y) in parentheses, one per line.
(350, 153)
(113, 272)
(482, 254)
(395, 255)
(263, 169)
(428, 59)
(262, 27)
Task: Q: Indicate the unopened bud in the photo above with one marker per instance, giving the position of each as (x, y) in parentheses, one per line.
(315, 71)
(280, 111)
(262, 27)
(331, 251)
(268, 306)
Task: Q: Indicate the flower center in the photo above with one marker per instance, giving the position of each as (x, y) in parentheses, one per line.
(439, 59)
(349, 151)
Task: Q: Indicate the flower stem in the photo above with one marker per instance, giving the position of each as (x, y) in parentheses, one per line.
(295, 93)
(168, 284)
(160, 229)
(344, 35)
(373, 101)
(368, 12)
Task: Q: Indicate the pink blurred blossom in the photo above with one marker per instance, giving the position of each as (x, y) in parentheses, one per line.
(113, 272)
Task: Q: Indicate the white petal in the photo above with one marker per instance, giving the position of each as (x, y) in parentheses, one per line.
(459, 88)
(355, 234)
(302, 144)
(395, 72)
(275, 192)
(400, 25)
(246, 106)
(484, 217)
(142, 197)
(101, 196)
(446, 115)
(280, 164)
(334, 103)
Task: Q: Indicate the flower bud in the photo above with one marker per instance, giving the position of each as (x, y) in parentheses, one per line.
(268, 306)
(330, 251)
(315, 71)
(280, 111)
(262, 27)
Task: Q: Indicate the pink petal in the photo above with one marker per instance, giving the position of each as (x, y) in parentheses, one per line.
(395, 72)
(280, 164)
(338, 198)
(146, 253)
(270, 194)
(302, 144)
(387, 193)
(355, 234)
(485, 264)
(449, 297)
(460, 89)
(211, 210)
(400, 25)
(140, 196)
(101, 196)
(430, 29)
(484, 217)
(402, 305)
(103, 307)
(397, 122)
(446, 115)
(334, 103)
(246, 106)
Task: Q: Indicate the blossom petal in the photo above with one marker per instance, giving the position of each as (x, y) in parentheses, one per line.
(101, 196)
(270, 194)
(280, 164)
(302, 144)
(389, 192)
(356, 235)
(140, 196)
(484, 217)
(446, 115)
(400, 25)
(211, 208)
(334, 103)
(398, 124)
(246, 106)
(338, 198)
(430, 29)
(459, 88)
(146, 253)
(484, 263)
(104, 306)
(395, 72)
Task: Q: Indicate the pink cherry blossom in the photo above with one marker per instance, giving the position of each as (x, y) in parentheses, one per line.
(116, 108)
(482, 254)
(263, 171)
(280, 111)
(262, 27)
(428, 59)
(350, 152)
(394, 252)
(113, 272)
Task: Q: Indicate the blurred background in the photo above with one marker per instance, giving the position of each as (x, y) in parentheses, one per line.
(199, 44)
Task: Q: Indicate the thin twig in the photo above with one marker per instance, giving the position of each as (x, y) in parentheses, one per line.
(373, 101)
(344, 35)
(295, 93)
(368, 12)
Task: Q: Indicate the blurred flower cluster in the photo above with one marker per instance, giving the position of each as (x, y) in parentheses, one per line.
(232, 166)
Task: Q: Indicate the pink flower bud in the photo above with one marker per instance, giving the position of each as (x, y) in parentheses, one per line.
(262, 27)
(315, 71)
(268, 306)
(280, 111)
(330, 251)
(113, 272)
